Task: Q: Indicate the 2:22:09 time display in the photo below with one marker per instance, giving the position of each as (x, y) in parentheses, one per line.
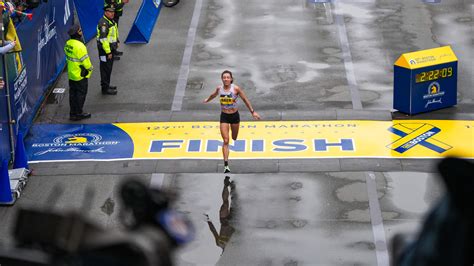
(434, 74)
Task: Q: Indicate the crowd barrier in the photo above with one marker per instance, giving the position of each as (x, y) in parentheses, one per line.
(32, 71)
(5, 147)
(89, 13)
(144, 22)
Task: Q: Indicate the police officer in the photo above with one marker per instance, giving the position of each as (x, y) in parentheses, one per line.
(79, 70)
(107, 34)
(118, 5)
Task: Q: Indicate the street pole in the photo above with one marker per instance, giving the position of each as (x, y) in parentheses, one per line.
(11, 121)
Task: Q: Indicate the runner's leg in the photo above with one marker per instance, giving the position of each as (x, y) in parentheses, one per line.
(225, 138)
(235, 130)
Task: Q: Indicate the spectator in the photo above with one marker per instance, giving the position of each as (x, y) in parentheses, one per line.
(447, 235)
(3, 50)
(7, 47)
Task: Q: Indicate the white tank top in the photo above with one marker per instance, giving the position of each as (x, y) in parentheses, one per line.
(228, 98)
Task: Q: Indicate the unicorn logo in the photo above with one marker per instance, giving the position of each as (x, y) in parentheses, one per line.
(157, 3)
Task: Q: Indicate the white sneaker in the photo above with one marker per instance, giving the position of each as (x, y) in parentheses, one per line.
(226, 169)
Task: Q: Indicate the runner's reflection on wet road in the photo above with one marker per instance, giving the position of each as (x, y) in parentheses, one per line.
(225, 215)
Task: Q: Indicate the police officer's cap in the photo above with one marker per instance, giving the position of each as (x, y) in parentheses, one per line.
(109, 8)
(74, 29)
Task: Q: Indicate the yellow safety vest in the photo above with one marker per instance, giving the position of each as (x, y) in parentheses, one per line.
(76, 55)
(107, 33)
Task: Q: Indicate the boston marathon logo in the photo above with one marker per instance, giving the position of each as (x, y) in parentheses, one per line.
(80, 142)
(157, 3)
(79, 138)
(416, 134)
(434, 91)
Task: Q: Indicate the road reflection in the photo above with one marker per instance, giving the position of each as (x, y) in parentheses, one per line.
(225, 216)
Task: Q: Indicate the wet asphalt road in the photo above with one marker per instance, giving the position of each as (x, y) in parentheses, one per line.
(298, 219)
(288, 56)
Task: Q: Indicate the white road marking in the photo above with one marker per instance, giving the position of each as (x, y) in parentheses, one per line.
(378, 231)
(184, 70)
(156, 180)
(346, 53)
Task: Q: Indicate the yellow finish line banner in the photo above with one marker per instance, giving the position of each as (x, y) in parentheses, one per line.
(305, 139)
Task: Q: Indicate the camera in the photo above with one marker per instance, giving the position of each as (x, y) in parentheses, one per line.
(154, 232)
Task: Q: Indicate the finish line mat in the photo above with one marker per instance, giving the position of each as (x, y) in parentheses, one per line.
(257, 140)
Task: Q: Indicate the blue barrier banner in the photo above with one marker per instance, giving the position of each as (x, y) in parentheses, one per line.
(4, 129)
(42, 59)
(89, 13)
(144, 22)
(78, 142)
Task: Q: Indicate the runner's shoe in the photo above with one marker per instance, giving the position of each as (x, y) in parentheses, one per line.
(226, 169)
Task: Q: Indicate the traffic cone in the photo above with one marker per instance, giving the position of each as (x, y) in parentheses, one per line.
(5, 190)
(21, 160)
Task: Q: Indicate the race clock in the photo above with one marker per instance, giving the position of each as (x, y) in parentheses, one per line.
(425, 80)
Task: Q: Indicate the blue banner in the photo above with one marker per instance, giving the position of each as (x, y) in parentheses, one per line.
(89, 13)
(78, 142)
(4, 129)
(144, 22)
(41, 60)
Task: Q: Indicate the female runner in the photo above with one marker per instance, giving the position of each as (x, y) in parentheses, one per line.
(230, 118)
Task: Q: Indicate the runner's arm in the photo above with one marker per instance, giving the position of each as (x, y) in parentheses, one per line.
(212, 96)
(242, 95)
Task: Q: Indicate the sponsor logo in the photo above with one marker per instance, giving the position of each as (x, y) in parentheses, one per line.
(414, 135)
(80, 142)
(78, 138)
(434, 94)
(45, 33)
(20, 86)
(434, 90)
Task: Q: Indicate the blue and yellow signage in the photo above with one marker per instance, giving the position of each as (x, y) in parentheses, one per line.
(425, 80)
(78, 142)
(257, 140)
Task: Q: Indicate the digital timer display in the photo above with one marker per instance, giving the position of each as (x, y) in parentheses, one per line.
(434, 74)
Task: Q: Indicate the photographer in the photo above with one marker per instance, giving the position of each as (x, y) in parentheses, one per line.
(152, 231)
